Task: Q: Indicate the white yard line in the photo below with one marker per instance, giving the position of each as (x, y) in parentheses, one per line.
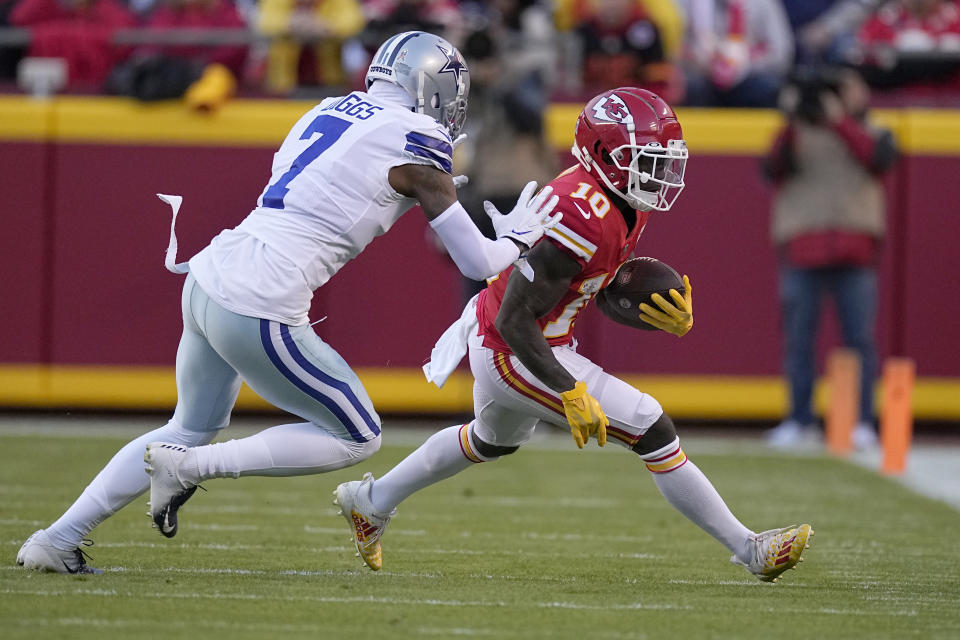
(379, 600)
(932, 470)
(286, 597)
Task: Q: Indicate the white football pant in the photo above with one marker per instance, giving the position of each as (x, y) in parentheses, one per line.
(290, 367)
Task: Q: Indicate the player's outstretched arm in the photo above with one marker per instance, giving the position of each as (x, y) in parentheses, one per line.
(524, 302)
(529, 219)
(476, 256)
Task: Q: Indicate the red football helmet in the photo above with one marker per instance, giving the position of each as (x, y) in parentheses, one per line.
(632, 139)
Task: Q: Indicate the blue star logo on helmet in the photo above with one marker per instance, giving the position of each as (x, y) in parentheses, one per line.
(453, 63)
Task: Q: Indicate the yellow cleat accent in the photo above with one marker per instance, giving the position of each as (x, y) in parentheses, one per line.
(777, 551)
(367, 526)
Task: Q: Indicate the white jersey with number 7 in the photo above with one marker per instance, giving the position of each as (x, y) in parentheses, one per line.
(328, 197)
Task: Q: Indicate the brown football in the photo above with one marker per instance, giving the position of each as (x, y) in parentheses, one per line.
(635, 282)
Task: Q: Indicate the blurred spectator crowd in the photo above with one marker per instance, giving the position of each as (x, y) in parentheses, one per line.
(522, 53)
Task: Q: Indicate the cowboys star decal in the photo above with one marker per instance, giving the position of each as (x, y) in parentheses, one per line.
(453, 64)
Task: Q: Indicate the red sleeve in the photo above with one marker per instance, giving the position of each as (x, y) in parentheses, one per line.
(231, 57)
(858, 139)
(28, 13)
(780, 161)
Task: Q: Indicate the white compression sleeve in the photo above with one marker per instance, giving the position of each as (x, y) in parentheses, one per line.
(477, 257)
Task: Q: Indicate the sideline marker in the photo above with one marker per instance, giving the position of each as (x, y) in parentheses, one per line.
(843, 411)
(896, 418)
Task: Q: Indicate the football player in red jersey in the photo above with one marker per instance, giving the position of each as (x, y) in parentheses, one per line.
(519, 334)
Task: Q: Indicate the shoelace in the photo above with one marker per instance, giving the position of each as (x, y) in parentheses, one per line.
(83, 556)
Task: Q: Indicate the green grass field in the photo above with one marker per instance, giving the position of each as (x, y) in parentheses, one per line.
(549, 543)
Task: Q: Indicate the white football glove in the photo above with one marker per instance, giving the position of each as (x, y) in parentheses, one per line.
(529, 219)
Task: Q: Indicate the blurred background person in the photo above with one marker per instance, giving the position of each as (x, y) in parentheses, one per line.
(10, 56)
(913, 43)
(78, 31)
(324, 24)
(827, 223)
(738, 52)
(826, 29)
(201, 14)
(388, 17)
(509, 47)
(204, 75)
(621, 45)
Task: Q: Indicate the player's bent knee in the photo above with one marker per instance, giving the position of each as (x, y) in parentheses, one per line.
(660, 434)
(366, 449)
(488, 450)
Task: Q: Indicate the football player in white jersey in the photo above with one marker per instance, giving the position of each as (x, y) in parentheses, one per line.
(348, 169)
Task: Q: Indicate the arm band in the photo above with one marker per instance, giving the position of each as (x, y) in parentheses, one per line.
(476, 256)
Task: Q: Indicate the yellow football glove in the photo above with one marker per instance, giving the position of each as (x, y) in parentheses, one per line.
(585, 415)
(678, 319)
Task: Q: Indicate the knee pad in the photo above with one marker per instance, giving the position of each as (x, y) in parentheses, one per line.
(660, 434)
(488, 450)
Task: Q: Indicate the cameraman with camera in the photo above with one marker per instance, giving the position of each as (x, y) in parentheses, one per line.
(827, 224)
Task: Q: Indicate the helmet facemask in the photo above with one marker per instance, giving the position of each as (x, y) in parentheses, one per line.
(632, 139)
(451, 115)
(648, 165)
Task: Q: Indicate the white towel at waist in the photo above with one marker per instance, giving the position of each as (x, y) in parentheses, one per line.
(452, 345)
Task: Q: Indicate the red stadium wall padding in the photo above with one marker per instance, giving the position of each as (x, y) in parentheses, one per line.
(24, 251)
(85, 235)
(113, 301)
(929, 304)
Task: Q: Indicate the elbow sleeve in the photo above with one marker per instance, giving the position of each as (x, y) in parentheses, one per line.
(477, 257)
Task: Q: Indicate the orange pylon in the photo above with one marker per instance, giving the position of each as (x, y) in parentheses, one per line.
(843, 410)
(896, 418)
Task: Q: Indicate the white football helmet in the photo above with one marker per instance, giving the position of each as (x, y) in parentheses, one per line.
(431, 70)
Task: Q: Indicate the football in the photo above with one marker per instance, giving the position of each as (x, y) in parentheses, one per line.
(635, 282)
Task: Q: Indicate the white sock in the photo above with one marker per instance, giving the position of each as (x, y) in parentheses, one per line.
(118, 483)
(691, 493)
(285, 450)
(444, 454)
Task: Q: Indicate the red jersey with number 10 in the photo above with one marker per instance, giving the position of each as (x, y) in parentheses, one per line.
(594, 233)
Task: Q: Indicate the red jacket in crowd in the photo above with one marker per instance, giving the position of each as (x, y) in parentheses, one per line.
(201, 14)
(77, 30)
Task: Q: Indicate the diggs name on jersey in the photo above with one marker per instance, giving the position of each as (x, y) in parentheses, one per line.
(354, 107)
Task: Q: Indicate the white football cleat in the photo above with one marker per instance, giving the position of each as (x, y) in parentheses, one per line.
(776, 550)
(355, 505)
(167, 491)
(39, 554)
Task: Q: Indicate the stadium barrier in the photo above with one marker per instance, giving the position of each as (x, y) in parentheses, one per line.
(92, 317)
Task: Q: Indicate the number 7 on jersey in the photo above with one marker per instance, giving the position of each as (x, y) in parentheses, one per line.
(330, 129)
